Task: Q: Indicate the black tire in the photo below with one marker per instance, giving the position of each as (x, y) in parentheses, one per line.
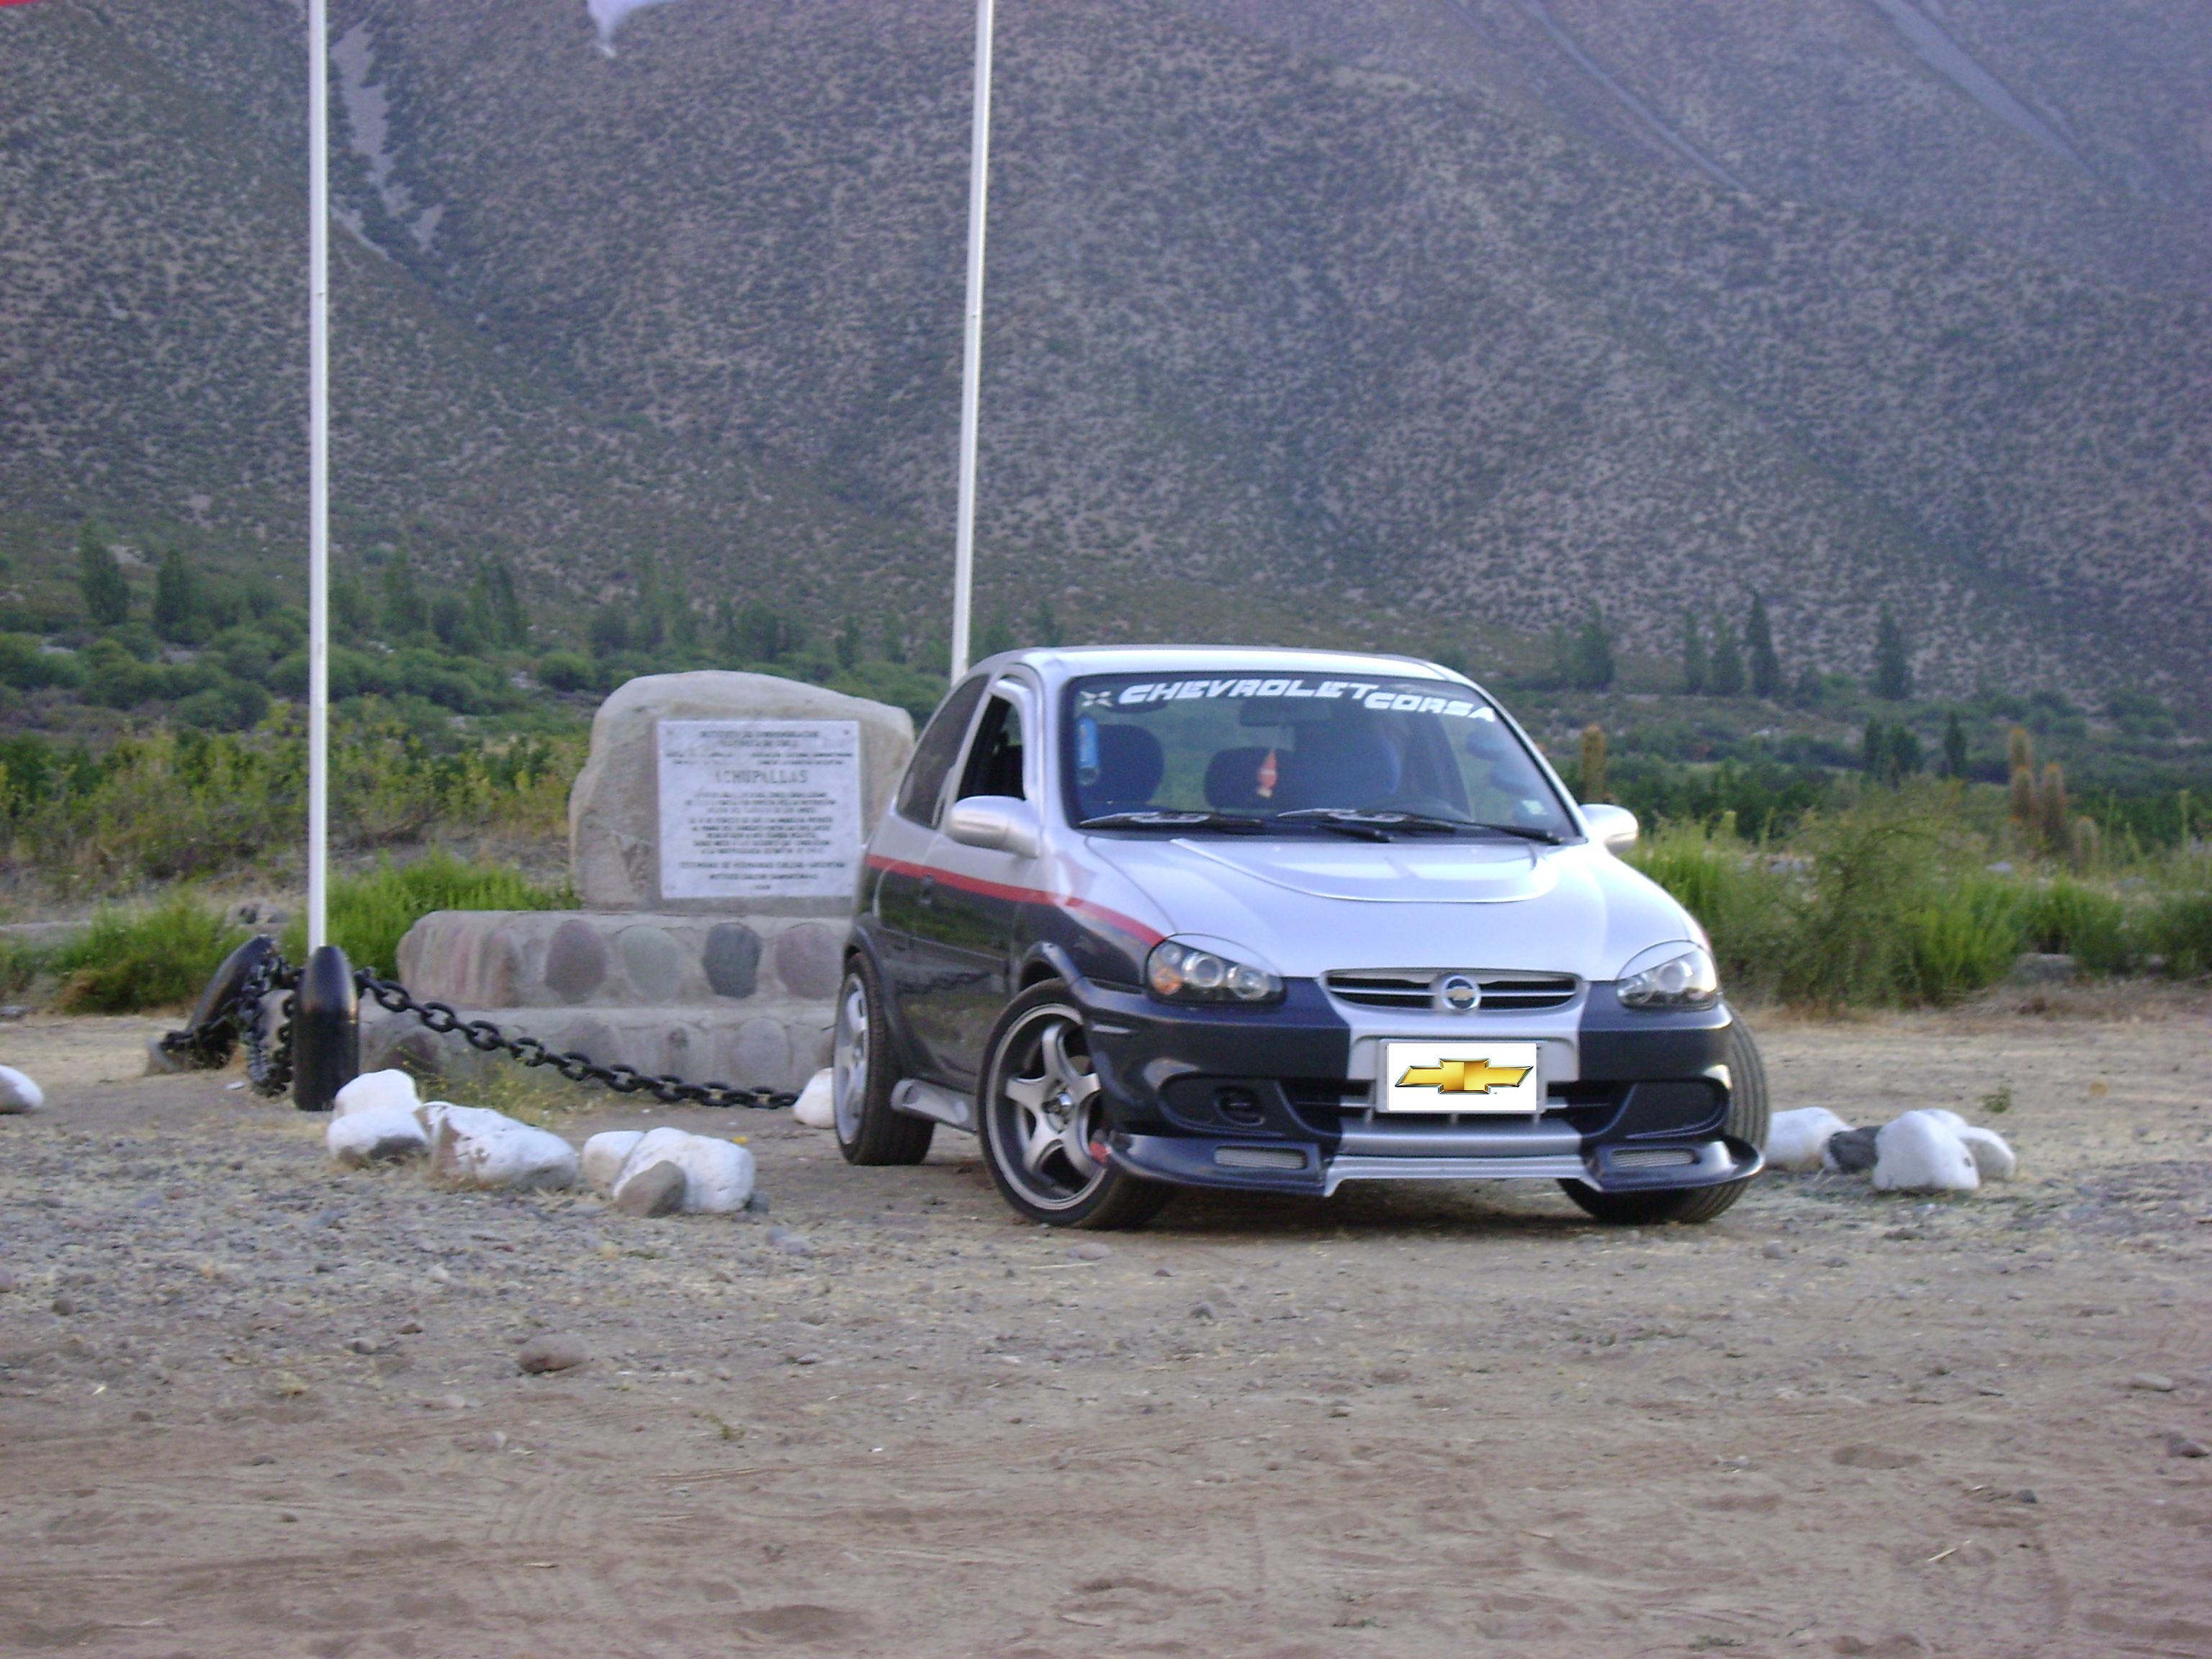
(1746, 1121)
(862, 1074)
(1037, 1120)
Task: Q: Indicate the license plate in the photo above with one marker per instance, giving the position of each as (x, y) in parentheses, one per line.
(1461, 1077)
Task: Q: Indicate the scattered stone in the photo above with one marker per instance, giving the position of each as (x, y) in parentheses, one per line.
(1775, 1251)
(412, 1328)
(807, 1359)
(789, 1242)
(384, 1134)
(2042, 968)
(1795, 1138)
(1921, 1152)
(1091, 1252)
(1203, 1310)
(718, 1174)
(482, 1440)
(657, 1190)
(377, 1091)
(604, 1154)
(1851, 1153)
(475, 1147)
(550, 1351)
(13, 1011)
(18, 1094)
(6, 1280)
(2180, 1445)
(817, 1105)
(65, 1305)
(447, 1402)
(367, 1345)
(2026, 1495)
(2152, 1382)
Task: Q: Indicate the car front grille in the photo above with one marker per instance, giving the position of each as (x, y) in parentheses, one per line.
(1419, 989)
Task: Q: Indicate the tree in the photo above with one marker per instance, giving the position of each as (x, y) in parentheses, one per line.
(1694, 668)
(1890, 751)
(895, 640)
(998, 636)
(176, 599)
(1726, 676)
(848, 643)
(404, 613)
(350, 604)
(610, 630)
(1758, 646)
(1954, 747)
(1591, 656)
(1892, 663)
(99, 580)
(2057, 824)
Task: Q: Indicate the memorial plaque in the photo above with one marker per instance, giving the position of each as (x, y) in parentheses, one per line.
(759, 809)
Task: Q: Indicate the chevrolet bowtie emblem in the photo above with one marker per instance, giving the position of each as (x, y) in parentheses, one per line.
(1463, 1077)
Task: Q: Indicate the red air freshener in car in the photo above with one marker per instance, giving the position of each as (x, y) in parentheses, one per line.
(1266, 778)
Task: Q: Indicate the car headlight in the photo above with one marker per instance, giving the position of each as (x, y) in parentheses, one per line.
(1188, 973)
(1676, 975)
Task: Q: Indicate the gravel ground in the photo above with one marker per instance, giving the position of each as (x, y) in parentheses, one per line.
(250, 1404)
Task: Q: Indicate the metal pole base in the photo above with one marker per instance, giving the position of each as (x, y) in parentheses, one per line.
(325, 1031)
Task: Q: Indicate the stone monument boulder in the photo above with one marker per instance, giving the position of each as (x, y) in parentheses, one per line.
(667, 750)
(715, 835)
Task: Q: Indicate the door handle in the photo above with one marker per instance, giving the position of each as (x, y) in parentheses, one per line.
(926, 893)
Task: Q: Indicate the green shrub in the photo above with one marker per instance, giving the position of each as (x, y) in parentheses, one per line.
(2089, 924)
(2179, 928)
(134, 959)
(24, 666)
(1961, 938)
(370, 915)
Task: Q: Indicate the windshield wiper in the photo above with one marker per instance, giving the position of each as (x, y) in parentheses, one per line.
(1377, 825)
(1157, 820)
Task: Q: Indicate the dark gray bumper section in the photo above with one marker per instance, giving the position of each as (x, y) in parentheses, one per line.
(1279, 1167)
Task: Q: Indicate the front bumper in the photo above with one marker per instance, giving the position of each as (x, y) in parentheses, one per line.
(1260, 1100)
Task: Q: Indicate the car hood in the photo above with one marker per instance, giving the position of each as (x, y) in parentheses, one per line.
(1308, 906)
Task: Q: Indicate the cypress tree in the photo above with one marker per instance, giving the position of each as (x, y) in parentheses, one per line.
(99, 580)
(1048, 629)
(1593, 653)
(2020, 762)
(1892, 663)
(1726, 674)
(176, 599)
(1954, 747)
(404, 613)
(1694, 656)
(849, 643)
(1758, 646)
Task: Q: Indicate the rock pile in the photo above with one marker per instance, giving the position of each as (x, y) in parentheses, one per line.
(379, 1118)
(1926, 1151)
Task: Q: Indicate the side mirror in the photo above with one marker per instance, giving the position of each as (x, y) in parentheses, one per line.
(1613, 828)
(1000, 823)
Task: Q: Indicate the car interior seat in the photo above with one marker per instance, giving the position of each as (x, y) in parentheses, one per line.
(1130, 766)
(1233, 781)
(1338, 765)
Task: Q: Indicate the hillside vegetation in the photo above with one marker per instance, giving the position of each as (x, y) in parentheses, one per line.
(1279, 346)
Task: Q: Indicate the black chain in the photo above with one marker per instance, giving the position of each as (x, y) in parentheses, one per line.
(209, 1042)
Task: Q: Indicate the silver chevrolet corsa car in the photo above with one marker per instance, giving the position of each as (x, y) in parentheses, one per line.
(1154, 917)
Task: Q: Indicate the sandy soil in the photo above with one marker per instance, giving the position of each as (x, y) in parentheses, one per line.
(252, 1405)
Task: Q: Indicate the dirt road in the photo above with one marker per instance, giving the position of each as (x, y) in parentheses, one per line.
(251, 1405)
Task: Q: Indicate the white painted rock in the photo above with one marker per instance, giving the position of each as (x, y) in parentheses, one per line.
(718, 1174)
(1920, 1152)
(382, 1135)
(817, 1106)
(1795, 1139)
(477, 1147)
(604, 1157)
(1993, 1159)
(18, 1093)
(377, 1091)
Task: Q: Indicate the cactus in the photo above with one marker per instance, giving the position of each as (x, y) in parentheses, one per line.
(2088, 844)
(1593, 774)
(2050, 803)
(2020, 757)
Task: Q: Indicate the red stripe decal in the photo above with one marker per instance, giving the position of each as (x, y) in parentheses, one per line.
(1114, 919)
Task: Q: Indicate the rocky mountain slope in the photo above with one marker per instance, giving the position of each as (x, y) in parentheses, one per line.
(1282, 339)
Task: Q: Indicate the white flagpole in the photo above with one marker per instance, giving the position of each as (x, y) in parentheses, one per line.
(318, 472)
(971, 363)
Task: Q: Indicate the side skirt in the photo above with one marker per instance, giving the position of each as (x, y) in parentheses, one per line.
(919, 1099)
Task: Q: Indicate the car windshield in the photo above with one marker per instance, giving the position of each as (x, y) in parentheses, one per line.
(1212, 753)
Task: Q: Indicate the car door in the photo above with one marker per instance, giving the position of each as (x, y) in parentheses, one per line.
(964, 938)
(902, 885)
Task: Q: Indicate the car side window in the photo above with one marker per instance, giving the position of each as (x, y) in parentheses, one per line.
(920, 797)
(995, 759)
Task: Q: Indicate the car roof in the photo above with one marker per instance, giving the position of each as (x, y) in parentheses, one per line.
(1058, 663)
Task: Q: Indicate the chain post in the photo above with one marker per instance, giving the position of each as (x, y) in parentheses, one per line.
(326, 1034)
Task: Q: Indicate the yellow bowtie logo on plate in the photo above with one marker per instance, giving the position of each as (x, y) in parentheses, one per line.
(1463, 1076)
